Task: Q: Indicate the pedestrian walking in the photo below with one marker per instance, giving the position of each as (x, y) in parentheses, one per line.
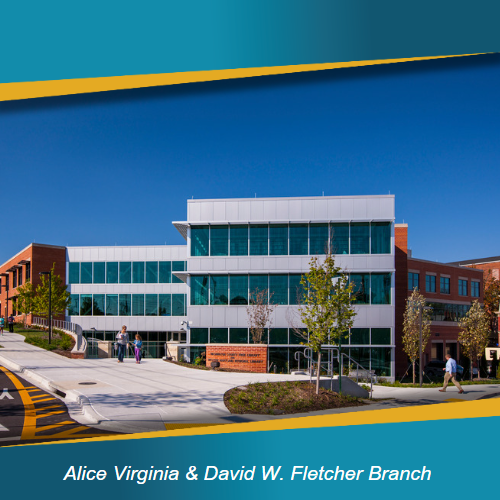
(451, 373)
(137, 348)
(2, 324)
(122, 343)
(10, 320)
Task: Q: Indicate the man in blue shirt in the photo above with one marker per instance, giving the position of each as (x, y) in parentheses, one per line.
(451, 373)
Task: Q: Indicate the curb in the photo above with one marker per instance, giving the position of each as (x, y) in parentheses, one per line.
(71, 396)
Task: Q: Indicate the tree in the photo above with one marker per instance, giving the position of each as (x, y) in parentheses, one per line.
(60, 297)
(25, 299)
(415, 305)
(474, 332)
(492, 302)
(327, 309)
(259, 313)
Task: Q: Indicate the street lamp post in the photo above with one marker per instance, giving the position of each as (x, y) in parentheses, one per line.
(49, 274)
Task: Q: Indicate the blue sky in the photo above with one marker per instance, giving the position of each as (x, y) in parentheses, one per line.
(117, 167)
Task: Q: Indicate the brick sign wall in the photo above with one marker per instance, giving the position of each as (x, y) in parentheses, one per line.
(251, 358)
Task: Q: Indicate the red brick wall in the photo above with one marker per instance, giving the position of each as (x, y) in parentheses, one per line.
(251, 358)
(401, 284)
(41, 258)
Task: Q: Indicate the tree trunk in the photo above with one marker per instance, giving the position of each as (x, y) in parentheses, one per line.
(318, 372)
(413, 364)
(471, 369)
(479, 368)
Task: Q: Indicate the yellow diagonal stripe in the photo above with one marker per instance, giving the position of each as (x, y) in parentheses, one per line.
(28, 90)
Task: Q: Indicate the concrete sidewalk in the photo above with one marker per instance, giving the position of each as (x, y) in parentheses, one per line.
(128, 397)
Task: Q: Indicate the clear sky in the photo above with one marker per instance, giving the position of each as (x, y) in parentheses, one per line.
(117, 167)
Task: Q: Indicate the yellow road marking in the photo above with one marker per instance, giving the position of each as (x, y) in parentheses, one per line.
(53, 426)
(173, 427)
(29, 424)
(50, 414)
(455, 400)
(43, 400)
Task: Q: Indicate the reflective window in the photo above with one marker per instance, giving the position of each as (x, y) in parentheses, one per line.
(99, 272)
(199, 290)
(74, 273)
(278, 336)
(340, 238)
(74, 305)
(151, 303)
(239, 290)
(199, 335)
(178, 304)
(278, 239)
(219, 240)
(413, 279)
(474, 289)
(98, 304)
(381, 336)
(258, 283)
(297, 336)
(361, 290)
(258, 239)
(165, 304)
(111, 272)
(430, 283)
(86, 272)
(238, 240)
(381, 237)
(124, 304)
(137, 272)
(238, 335)
(178, 265)
(299, 239)
(151, 272)
(137, 304)
(444, 285)
(462, 288)
(296, 289)
(278, 288)
(85, 305)
(125, 272)
(318, 239)
(360, 336)
(199, 241)
(164, 272)
(218, 290)
(218, 336)
(360, 237)
(112, 305)
(381, 361)
(381, 288)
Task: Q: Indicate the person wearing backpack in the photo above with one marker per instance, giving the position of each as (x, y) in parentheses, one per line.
(2, 324)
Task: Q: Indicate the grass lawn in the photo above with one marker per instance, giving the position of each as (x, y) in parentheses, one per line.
(62, 343)
(280, 398)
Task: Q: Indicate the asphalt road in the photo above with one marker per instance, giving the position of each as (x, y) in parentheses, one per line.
(29, 414)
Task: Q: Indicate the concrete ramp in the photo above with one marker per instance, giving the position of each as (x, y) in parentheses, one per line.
(348, 387)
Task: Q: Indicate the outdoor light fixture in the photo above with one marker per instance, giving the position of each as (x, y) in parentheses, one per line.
(49, 274)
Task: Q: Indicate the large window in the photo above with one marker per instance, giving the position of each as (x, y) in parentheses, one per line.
(297, 291)
(258, 283)
(74, 273)
(164, 272)
(239, 290)
(381, 237)
(219, 240)
(278, 288)
(238, 240)
(98, 304)
(413, 279)
(86, 272)
(99, 272)
(339, 238)
(151, 272)
(474, 289)
(85, 305)
(299, 239)
(178, 304)
(165, 304)
(360, 238)
(238, 336)
(258, 239)
(125, 304)
(74, 305)
(112, 305)
(430, 283)
(111, 272)
(462, 288)
(137, 272)
(137, 304)
(218, 336)
(318, 239)
(125, 272)
(199, 335)
(444, 285)
(199, 290)
(381, 289)
(278, 239)
(199, 241)
(151, 304)
(361, 289)
(178, 265)
(219, 290)
(448, 312)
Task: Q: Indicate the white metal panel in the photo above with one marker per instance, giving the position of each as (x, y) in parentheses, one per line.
(244, 213)
(232, 210)
(294, 209)
(307, 210)
(347, 209)
(320, 209)
(282, 210)
(194, 212)
(219, 315)
(360, 209)
(334, 209)
(207, 211)
(219, 211)
(269, 210)
(257, 211)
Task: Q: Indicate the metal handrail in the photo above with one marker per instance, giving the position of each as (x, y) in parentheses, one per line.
(62, 325)
(369, 373)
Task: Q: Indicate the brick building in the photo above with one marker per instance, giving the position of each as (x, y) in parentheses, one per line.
(448, 288)
(26, 266)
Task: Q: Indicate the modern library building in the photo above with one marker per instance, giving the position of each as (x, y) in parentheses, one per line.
(197, 294)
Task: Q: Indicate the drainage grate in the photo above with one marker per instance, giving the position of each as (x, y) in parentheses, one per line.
(87, 383)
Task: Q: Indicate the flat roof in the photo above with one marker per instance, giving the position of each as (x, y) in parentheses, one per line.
(448, 264)
(281, 198)
(484, 260)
